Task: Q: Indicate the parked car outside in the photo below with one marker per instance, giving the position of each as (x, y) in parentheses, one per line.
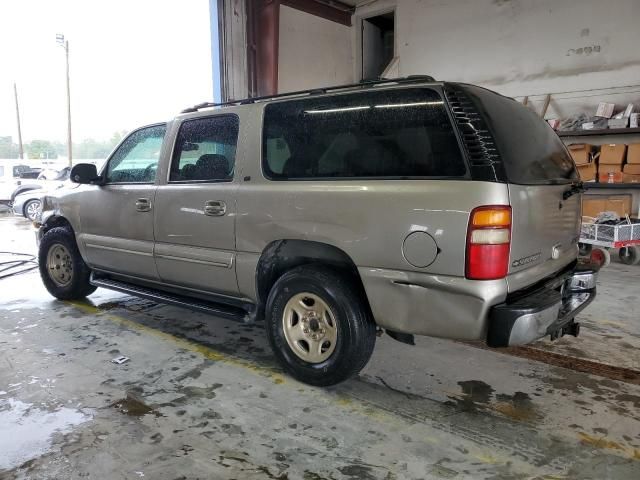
(411, 206)
(10, 171)
(25, 185)
(27, 204)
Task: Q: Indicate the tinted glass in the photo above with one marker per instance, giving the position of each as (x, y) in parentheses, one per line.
(136, 159)
(385, 134)
(20, 169)
(205, 149)
(531, 151)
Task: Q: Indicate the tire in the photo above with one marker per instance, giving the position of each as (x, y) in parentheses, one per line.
(601, 257)
(584, 249)
(629, 255)
(347, 344)
(58, 246)
(30, 209)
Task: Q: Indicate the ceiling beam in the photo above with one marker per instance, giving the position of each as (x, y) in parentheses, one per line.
(331, 10)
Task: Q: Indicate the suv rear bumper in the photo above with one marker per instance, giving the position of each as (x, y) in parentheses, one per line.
(547, 311)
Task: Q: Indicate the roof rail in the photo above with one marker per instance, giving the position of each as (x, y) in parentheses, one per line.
(314, 91)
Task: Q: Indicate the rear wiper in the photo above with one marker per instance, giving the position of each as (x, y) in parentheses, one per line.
(576, 187)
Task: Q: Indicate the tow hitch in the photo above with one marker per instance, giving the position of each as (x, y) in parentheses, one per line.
(572, 328)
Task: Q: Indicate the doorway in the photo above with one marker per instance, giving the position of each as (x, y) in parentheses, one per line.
(378, 44)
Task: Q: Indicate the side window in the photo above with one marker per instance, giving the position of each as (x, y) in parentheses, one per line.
(136, 159)
(205, 150)
(401, 133)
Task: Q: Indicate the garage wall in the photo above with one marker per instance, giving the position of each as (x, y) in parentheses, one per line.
(313, 52)
(523, 47)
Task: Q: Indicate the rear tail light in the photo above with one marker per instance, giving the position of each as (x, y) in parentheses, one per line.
(488, 243)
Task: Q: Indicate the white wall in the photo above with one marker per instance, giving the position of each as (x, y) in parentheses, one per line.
(313, 52)
(522, 47)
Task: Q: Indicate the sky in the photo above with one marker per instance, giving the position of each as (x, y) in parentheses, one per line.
(132, 62)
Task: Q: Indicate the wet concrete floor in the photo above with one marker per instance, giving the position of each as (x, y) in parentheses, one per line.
(202, 398)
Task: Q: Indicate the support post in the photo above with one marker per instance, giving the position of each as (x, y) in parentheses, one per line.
(20, 146)
(69, 144)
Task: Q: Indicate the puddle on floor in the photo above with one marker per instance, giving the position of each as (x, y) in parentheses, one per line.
(27, 431)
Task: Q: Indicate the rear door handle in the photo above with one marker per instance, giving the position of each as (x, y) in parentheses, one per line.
(215, 208)
(143, 205)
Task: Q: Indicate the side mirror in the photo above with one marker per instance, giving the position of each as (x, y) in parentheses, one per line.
(84, 173)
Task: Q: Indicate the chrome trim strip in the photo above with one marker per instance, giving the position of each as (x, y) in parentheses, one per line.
(193, 260)
(114, 249)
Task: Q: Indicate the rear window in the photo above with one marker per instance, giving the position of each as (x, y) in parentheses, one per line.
(531, 151)
(386, 134)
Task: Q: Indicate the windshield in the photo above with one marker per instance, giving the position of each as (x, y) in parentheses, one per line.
(532, 152)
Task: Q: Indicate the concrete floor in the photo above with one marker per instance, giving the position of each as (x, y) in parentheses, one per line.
(203, 398)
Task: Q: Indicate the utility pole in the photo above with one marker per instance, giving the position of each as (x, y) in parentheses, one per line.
(20, 148)
(65, 44)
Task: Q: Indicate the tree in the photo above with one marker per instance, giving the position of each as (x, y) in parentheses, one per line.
(39, 149)
(8, 149)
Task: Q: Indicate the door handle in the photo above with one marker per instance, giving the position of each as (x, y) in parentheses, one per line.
(143, 205)
(215, 208)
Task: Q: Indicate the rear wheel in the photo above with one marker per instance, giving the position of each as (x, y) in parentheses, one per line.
(600, 257)
(319, 325)
(62, 269)
(629, 255)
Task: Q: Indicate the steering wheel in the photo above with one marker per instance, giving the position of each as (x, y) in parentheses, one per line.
(150, 171)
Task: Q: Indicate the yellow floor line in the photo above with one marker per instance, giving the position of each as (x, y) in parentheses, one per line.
(203, 350)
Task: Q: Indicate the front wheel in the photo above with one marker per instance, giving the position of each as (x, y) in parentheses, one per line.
(319, 325)
(62, 269)
(600, 256)
(31, 209)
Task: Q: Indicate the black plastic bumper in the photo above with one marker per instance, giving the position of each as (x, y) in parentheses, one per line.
(548, 310)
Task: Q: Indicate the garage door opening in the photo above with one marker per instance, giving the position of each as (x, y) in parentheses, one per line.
(378, 44)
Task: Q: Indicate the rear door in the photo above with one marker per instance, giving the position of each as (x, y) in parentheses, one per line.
(539, 171)
(195, 209)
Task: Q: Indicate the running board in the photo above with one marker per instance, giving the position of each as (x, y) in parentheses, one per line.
(212, 308)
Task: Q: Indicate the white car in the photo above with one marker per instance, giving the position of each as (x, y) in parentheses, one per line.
(10, 171)
(27, 204)
(9, 192)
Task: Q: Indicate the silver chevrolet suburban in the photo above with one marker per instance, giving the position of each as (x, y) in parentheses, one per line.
(408, 206)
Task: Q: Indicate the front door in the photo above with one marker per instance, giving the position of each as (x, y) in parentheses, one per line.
(195, 210)
(117, 217)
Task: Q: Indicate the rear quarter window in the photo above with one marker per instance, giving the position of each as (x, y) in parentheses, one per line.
(531, 151)
(386, 134)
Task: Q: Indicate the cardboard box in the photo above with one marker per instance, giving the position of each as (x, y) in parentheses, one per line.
(632, 168)
(594, 205)
(587, 172)
(581, 153)
(613, 154)
(605, 109)
(629, 178)
(629, 110)
(633, 153)
(610, 176)
(618, 122)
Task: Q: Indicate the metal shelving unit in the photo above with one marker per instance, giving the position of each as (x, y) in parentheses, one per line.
(603, 131)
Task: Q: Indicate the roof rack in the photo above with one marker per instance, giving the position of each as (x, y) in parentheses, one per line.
(315, 91)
